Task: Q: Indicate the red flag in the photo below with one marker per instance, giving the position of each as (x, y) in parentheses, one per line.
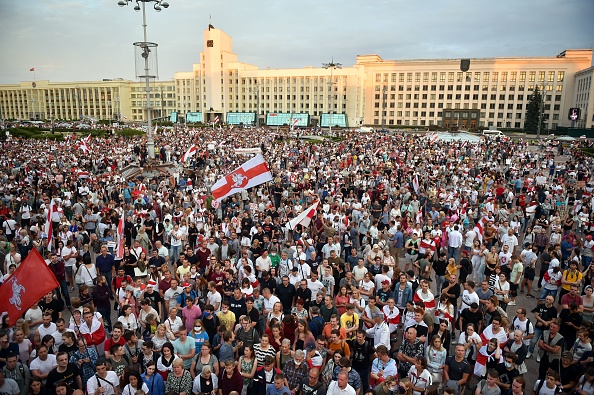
(27, 285)
(32, 69)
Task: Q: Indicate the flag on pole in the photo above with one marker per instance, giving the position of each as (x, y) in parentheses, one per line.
(216, 120)
(49, 231)
(253, 172)
(189, 153)
(121, 238)
(27, 285)
(304, 218)
(32, 69)
(294, 123)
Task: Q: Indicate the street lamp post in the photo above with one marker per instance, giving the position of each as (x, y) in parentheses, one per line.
(145, 46)
(332, 66)
(384, 98)
(540, 113)
(255, 90)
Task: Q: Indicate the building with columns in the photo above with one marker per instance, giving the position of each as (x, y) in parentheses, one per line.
(372, 91)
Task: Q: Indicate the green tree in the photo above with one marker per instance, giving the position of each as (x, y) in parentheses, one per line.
(533, 113)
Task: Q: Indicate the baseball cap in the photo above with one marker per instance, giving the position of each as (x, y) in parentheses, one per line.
(385, 282)
(186, 285)
(310, 346)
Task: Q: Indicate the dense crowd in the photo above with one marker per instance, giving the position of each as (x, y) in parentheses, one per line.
(406, 281)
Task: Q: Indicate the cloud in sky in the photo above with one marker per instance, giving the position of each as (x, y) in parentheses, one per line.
(81, 40)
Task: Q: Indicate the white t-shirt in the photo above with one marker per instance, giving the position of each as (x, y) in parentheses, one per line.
(34, 315)
(544, 390)
(468, 299)
(67, 251)
(315, 286)
(111, 381)
(263, 263)
(44, 366)
(213, 299)
(171, 295)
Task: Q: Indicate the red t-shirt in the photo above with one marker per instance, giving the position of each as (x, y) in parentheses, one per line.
(109, 342)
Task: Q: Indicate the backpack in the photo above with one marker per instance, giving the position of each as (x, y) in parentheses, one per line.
(528, 323)
(540, 384)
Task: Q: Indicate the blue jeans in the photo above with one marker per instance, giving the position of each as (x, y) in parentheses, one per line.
(453, 252)
(174, 253)
(546, 292)
(534, 341)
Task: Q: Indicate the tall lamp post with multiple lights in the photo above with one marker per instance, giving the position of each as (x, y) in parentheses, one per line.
(145, 48)
(332, 66)
(255, 90)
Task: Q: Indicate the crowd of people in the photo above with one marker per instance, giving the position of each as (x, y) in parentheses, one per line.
(407, 280)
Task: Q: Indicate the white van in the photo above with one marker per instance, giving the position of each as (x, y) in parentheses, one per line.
(493, 133)
(364, 129)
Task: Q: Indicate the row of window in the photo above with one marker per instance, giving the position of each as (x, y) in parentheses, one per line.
(448, 114)
(487, 76)
(450, 96)
(485, 87)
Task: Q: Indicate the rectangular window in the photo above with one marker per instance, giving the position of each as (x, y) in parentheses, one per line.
(417, 77)
(495, 76)
(551, 76)
(532, 76)
(408, 77)
(512, 77)
(560, 76)
(559, 88)
(504, 76)
(522, 76)
(451, 76)
(393, 77)
(477, 77)
(459, 77)
(434, 77)
(541, 76)
(401, 77)
(442, 76)
(486, 76)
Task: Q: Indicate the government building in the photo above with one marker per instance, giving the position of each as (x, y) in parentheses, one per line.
(373, 91)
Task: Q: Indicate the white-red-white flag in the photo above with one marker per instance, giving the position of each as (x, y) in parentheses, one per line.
(294, 123)
(433, 138)
(304, 218)
(84, 144)
(216, 120)
(121, 238)
(49, 231)
(189, 153)
(252, 173)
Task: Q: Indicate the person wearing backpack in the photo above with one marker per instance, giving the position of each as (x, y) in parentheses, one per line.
(316, 325)
(547, 385)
